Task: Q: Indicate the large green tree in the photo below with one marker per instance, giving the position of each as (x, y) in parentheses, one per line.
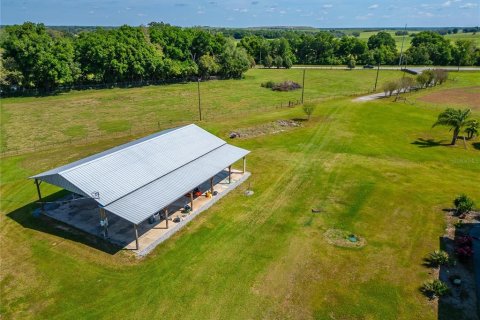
(44, 62)
(233, 60)
(464, 52)
(380, 39)
(438, 48)
(122, 54)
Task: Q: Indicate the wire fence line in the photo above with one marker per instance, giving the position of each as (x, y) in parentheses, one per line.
(142, 127)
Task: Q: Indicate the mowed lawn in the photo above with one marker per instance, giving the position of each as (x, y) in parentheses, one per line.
(263, 256)
(32, 122)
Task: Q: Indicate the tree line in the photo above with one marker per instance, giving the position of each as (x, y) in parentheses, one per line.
(36, 57)
(323, 48)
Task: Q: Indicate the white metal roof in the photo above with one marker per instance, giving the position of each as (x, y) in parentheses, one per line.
(139, 178)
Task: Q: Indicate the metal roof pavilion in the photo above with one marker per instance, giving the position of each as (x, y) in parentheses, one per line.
(140, 178)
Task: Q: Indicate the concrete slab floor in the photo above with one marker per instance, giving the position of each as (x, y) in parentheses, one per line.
(83, 214)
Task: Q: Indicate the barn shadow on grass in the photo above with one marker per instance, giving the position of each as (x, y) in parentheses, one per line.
(461, 302)
(428, 143)
(25, 217)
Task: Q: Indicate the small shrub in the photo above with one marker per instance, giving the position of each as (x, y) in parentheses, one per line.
(281, 86)
(435, 288)
(286, 86)
(438, 258)
(439, 76)
(463, 204)
(268, 84)
(389, 87)
(308, 108)
(458, 224)
(406, 83)
(423, 80)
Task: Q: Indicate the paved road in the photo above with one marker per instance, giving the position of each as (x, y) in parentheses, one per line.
(450, 68)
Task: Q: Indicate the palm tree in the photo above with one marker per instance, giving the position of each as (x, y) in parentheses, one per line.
(472, 129)
(454, 118)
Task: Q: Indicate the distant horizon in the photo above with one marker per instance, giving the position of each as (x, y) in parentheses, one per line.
(323, 14)
(249, 27)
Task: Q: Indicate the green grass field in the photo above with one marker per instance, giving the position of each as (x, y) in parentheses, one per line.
(398, 39)
(255, 257)
(29, 122)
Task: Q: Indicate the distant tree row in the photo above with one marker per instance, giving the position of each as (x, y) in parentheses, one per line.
(427, 48)
(34, 57)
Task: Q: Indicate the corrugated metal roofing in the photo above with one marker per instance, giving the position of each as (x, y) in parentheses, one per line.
(139, 178)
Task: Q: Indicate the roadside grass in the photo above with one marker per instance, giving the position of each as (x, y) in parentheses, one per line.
(263, 256)
(31, 121)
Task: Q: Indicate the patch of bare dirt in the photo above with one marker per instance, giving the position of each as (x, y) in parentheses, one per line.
(264, 129)
(469, 97)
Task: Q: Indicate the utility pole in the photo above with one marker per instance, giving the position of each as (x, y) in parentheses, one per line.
(303, 84)
(376, 79)
(401, 50)
(199, 100)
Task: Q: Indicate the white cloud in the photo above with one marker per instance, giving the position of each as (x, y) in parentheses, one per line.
(468, 5)
(364, 17)
(447, 3)
(326, 6)
(241, 10)
(373, 6)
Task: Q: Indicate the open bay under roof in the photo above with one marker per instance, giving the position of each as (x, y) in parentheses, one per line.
(140, 178)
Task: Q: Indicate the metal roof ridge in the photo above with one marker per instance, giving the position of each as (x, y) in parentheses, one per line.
(136, 144)
(177, 168)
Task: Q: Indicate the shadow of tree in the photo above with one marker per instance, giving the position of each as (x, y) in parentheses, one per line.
(24, 216)
(428, 143)
(476, 145)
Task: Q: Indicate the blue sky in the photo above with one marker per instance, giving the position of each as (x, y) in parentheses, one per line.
(243, 13)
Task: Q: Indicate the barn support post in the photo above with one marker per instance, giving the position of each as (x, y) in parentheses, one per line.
(103, 221)
(37, 183)
(191, 200)
(244, 164)
(136, 236)
(211, 185)
(165, 211)
(230, 174)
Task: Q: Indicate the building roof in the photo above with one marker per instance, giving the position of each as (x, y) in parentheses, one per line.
(138, 179)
